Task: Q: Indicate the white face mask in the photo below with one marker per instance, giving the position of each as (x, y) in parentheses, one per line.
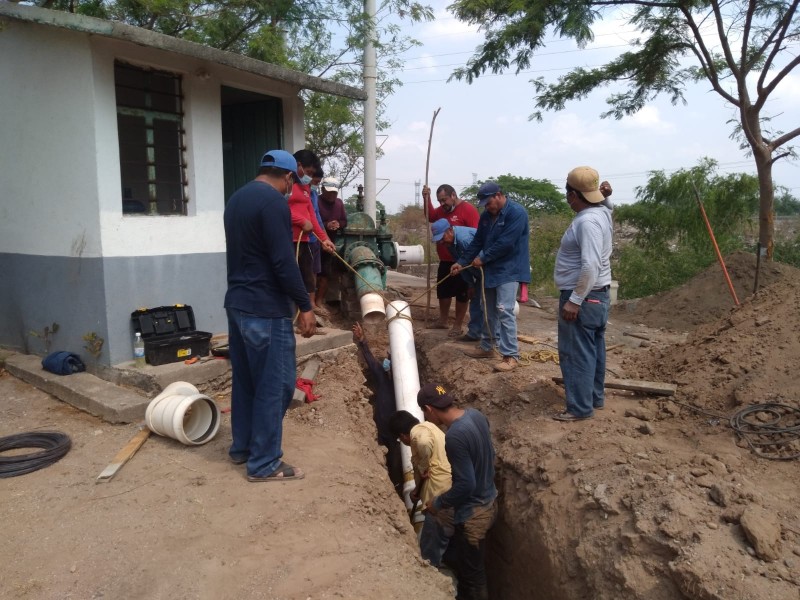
(305, 179)
(288, 192)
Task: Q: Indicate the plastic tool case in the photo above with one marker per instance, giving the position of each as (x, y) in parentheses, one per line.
(169, 334)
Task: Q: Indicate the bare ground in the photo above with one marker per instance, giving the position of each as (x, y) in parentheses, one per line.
(651, 499)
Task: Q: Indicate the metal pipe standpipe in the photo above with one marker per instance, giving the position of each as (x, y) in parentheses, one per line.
(372, 276)
(405, 377)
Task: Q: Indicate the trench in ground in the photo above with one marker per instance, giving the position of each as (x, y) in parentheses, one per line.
(518, 561)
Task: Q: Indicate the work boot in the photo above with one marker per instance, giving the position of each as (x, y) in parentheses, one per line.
(509, 363)
(481, 353)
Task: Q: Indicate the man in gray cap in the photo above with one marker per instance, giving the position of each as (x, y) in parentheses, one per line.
(500, 247)
(583, 274)
(264, 286)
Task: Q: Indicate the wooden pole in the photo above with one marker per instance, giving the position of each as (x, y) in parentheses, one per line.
(427, 219)
(716, 248)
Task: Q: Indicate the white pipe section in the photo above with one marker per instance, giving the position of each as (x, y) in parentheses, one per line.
(370, 110)
(405, 376)
(182, 413)
(409, 255)
(372, 308)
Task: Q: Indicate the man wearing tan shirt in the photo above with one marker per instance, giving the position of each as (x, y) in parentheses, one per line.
(431, 475)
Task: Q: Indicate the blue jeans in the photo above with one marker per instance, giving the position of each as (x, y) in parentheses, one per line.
(262, 353)
(500, 310)
(433, 540)
(582, 352)
(475, 325)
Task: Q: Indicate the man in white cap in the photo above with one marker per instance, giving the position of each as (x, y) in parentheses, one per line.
(334, 220)
(583, 274)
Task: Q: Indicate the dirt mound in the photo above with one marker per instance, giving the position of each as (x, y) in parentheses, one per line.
(745, 358)
(705, 297)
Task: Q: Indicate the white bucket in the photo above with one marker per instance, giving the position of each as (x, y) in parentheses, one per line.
(372, 308)
(183, 414)
(612, 292)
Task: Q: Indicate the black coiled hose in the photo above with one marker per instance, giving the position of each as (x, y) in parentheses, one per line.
(54, 445)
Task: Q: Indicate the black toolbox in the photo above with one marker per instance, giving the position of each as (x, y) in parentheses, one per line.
(169, 334)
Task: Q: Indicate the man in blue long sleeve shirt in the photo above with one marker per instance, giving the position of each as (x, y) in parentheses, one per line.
(500, 247)
(457, 240)
(469, 449)
(264, 285)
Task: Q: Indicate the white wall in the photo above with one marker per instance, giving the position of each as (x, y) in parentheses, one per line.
(60, 177)
(48, 178)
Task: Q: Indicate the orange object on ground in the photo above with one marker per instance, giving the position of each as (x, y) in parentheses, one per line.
(191, 361)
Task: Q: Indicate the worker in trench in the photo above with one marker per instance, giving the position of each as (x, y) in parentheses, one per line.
(431, 477)
(384, 406)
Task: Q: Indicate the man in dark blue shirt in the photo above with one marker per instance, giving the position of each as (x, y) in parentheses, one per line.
(468, 444)
(500, 248)
(264, 286)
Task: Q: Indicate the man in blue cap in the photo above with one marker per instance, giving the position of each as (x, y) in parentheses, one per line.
(264, 286)
(457, 239)
(500, 249)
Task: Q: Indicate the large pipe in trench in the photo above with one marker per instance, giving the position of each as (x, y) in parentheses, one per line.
(405, 376)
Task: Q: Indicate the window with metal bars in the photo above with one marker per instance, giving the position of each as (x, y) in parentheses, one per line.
(151, 140)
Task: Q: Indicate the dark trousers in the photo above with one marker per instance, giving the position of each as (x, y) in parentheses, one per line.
(469, 543)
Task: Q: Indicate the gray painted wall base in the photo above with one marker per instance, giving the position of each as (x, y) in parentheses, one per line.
(98, 295)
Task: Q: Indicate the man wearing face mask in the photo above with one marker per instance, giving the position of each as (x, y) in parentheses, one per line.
(384, 406)
(500, 247)
(304, 221)
(458, 213)
(264, 286)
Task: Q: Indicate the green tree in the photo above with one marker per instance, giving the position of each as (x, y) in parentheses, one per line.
(319, 37)
(666, 213)
(538, 196)
(785, 203)
(738, 46)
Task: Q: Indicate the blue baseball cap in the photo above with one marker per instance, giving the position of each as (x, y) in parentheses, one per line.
(486, 191)
(280, 159)
(438, 228)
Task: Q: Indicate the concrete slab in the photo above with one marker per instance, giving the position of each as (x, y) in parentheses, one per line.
(102, 394)
(326, 339)
(82, 390)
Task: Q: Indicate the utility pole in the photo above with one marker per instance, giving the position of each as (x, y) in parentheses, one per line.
(417, 185)
(474, 178)
(370, 110)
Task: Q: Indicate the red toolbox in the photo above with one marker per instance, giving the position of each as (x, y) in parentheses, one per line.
(169, 334)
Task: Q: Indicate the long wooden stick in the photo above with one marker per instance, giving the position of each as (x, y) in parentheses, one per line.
(427, 216)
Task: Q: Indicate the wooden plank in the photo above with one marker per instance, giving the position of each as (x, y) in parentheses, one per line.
(309, 372)
(633, 334)
(528, 339)
(124, 455)
(634, 385)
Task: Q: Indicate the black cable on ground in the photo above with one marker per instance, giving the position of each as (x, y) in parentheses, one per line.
(770, 430)
(54, 445)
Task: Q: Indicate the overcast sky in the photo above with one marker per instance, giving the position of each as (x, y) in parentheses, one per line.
(483, 129)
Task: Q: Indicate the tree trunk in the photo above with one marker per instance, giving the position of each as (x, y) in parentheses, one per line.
(762, 153)
(766, 214)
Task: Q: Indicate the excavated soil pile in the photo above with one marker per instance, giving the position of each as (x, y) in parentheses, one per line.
(705, 297)
(747, 357)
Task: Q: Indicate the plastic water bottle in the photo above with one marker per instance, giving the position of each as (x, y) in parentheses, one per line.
(138, 350)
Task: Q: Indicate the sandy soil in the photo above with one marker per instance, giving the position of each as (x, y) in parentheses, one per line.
(651, 499)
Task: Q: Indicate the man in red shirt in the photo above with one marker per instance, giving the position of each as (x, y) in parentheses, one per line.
(304, 220)
(461, 213)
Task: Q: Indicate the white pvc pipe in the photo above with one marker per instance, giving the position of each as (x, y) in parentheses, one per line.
(372, 309)
(182, 413)
(405, 376)
(409, 255)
